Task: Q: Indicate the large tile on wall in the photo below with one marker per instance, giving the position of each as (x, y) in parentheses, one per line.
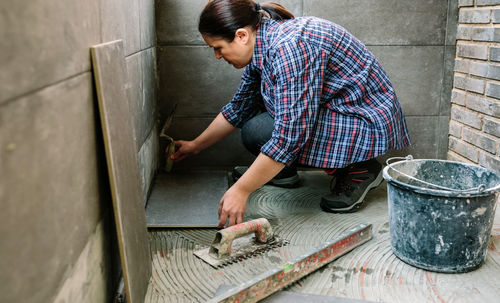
(148, 162)
(177, 21)
(121, 20)
(147, 23)
(386, 22)
(195, 80)
(48, 159)
(44, 42)
(452, 19)
(226, 153)
(416, 73)
(141, 88)
(426, 138)
(449, 65)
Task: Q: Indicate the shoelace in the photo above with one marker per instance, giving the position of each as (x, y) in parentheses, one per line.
(345, 181)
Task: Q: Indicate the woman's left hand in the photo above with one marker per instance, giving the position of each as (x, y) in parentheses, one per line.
(232, 207)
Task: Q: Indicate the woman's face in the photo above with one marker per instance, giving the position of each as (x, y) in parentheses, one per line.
(238, 52)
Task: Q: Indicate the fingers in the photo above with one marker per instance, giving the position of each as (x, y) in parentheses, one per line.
(222, 220)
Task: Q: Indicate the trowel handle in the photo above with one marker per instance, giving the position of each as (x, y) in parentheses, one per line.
(224, 238)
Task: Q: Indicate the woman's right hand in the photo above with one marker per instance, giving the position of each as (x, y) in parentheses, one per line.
(184, 149)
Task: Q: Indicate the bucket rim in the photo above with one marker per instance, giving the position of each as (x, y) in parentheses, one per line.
(438, 192)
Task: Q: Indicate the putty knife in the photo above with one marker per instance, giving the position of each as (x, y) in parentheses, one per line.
(238, 242)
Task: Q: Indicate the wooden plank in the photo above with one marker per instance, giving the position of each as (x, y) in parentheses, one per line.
(186, 199)
(121, 157)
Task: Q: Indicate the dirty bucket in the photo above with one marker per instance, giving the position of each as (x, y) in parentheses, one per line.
(440, 213)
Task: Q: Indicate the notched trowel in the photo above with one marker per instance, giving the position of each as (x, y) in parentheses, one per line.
(239, 242)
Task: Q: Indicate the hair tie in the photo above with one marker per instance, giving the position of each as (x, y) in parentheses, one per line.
(257, 7)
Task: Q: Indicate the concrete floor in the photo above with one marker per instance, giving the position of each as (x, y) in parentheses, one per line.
(370, 272)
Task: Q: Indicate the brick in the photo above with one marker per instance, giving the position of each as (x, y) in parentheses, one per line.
(464, 149)
(495, 54)
(474, 16)
(490, 162)
(455, 129)
(462, 3)
(483, 105)
(474, 51)
(496, 16)
(464, 32)
(479, 69)
(487, 2)
(466, 117)
(469, 84)
(461, 66)
(483, 34)
(493, 72)
(491, 127)
(458, 97)
(493, 90)
(479, 140)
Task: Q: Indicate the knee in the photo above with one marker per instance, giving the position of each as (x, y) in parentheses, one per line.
(256, 132)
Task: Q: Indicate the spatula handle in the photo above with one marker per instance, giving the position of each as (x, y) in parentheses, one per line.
(221, 246)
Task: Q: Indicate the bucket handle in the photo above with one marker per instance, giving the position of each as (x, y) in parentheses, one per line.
(481, 188)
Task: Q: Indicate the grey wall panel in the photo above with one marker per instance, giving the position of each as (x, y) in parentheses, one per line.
(452, 19)
(224, 154)
(147, 23)
(177, 21)
(43, 43)
(148, 162)
(141, 90)
(416, 73)
(386, 22)
(120, 20)
(195, 80)
(50, 187)
(448, 65)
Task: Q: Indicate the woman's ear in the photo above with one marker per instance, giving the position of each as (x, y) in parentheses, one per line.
(242, 35)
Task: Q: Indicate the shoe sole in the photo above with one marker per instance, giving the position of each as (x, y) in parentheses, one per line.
(376, 183)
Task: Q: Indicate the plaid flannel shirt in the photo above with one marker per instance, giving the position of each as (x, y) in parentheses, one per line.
(331, 101)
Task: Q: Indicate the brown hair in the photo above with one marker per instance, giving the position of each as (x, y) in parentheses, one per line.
(221, 18)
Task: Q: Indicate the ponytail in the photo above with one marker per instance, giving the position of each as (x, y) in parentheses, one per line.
(222, 18)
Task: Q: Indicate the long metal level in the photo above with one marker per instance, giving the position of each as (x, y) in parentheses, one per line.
(275, 279)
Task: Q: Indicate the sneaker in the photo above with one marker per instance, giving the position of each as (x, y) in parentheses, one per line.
(287, 178)
(351, 186)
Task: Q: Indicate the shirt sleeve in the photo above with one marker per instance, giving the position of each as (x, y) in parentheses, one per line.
(299, 71)
(246, 102)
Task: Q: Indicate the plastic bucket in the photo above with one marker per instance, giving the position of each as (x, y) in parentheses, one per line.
(440, 213)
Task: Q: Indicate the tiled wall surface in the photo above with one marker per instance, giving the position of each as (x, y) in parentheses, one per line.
(475, 110)
(413, 40)
(56, 222)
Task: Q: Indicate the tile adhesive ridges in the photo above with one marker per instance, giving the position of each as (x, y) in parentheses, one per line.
(369, 272)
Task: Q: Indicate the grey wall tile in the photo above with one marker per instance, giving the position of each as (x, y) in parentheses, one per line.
(386, 22)
(41, 46)
(147, 23)
(224, 154)
(442, 136)
(177, 21)
(451, 22)
(120, 20)
(148, 161)
(195, 80)
(417, 75)
(51, 186)
(141, 91)
(425, 138)
(448, 65)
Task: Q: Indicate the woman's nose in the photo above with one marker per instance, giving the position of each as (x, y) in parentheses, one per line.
(217, 54)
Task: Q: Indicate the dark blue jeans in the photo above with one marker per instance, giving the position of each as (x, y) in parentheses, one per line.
(256, 132)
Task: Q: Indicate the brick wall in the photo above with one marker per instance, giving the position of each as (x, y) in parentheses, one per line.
(475, 110)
